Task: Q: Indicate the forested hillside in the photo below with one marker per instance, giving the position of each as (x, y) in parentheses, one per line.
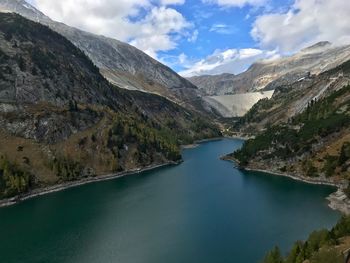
(62, 121)
(314, 143)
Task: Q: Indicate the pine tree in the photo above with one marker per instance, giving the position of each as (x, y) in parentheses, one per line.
(274, 256)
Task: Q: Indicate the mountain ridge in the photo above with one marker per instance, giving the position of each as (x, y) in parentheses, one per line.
(129, 67)
(315, 59)
(225, 92)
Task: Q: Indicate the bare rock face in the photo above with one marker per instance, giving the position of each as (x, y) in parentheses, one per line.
(47, 126)
(269, 74)
(212, 85)
(122, 64)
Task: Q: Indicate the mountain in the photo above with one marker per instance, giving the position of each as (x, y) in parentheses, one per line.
(292, 98)
(303, 130)
(269, 74)
(212, 84)
(122, 64)
(61, 120)
(233, 95)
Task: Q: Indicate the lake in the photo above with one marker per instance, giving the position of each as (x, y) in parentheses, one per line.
(203, 210)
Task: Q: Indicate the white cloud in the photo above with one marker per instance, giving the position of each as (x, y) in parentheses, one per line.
(223, 29)
(236, 3)
(193, 38)
(150, 26)
(307, 22)
(183, 58)
(153, 32)
(228, 61)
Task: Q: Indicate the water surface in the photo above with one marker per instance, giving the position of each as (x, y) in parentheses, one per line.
(203, 210)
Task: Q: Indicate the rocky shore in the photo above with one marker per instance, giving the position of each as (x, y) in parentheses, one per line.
(339, 201)
(67, 185)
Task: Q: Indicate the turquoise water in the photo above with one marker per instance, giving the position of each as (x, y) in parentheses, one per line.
(203, 210)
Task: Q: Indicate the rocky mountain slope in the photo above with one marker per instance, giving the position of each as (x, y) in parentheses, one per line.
(211, 85)
(303, 130)
(61, 120)
(120, 63)
(269, 74)
(292, 98)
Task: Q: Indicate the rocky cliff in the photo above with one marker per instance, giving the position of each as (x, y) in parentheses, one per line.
(212, 85)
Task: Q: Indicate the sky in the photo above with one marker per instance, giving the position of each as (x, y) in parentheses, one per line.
(197, 37)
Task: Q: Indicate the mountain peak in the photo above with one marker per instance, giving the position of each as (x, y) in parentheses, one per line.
(21, 7)
(317, 47)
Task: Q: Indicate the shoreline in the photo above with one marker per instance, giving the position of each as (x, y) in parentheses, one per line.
(337, 200)
(297, 178)
(67, 185)
(196, 143)
(100, 178)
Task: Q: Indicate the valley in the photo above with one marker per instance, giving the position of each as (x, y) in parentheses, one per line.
(151, 166)
(168, 214)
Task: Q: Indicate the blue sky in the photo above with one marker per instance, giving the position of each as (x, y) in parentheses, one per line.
(219, 28)
(197, 37)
